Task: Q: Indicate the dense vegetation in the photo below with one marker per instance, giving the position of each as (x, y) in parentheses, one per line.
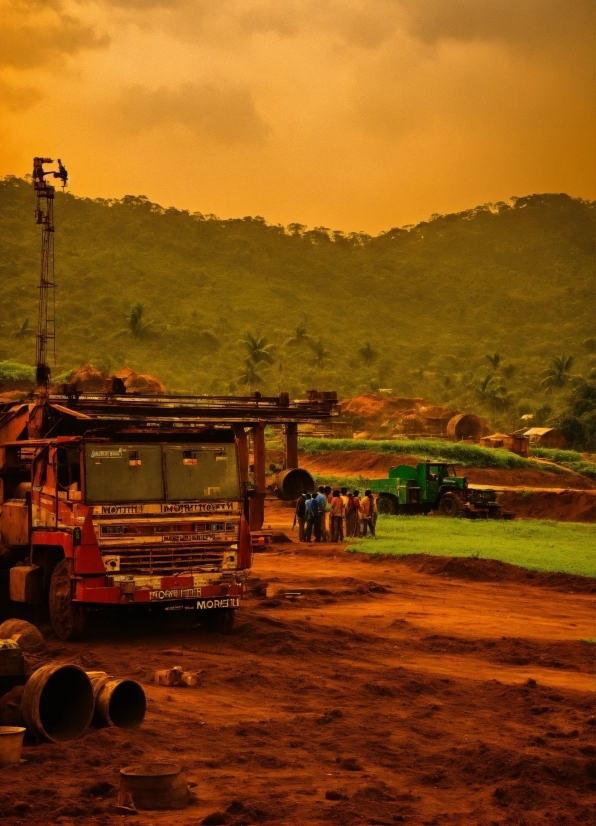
(459, 453)
(532, 544)
(489, 309)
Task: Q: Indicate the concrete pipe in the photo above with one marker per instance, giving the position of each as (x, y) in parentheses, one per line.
(57, 703)
(465, 426)
(119, 703)
(290, 484)
(28, 637)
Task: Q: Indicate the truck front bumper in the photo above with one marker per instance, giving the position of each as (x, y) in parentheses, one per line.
(168, 590)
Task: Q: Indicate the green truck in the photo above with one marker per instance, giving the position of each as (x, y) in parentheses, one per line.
(434, 486)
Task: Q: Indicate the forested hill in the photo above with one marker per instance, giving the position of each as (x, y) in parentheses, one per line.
(173, 293)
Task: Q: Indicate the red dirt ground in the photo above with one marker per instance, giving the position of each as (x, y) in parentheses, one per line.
(417, 691)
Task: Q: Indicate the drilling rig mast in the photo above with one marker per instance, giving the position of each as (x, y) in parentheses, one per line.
(44, 217)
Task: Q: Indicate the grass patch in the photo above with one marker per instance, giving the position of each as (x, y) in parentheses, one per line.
(536, 545)
(568, 458)
(349, 482)
(460, 453)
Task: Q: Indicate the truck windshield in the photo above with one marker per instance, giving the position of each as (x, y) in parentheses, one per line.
(201, 472)
(123, 473)
(135, 473)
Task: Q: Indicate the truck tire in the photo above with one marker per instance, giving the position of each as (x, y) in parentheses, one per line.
(218, 620)
(67, 617)
(450, 505)
(386, 503)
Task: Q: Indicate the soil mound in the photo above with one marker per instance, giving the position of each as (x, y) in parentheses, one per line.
(140, 383)
(384, 416)
(492, 570)
(87, 379)
(564, 506)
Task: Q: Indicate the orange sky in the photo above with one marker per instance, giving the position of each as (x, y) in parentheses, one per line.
(350, 114)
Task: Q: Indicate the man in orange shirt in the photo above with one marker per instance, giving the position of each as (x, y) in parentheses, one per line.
(368, 510)
(338, 511)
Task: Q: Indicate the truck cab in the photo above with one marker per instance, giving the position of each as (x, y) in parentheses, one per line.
(131, 521)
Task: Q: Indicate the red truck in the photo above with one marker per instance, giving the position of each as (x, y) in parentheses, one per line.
(118, 501)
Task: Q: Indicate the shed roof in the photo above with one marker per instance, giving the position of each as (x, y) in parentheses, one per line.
(540, 431)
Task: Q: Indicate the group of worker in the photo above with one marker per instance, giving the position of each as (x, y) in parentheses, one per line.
(330, 515)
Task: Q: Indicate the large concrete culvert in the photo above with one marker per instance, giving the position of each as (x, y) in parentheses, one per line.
(465, 426)
(292, 483)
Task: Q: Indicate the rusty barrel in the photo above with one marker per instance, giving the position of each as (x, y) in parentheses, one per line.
(119, 703)
(57, 703)
(290, 484)
(153, 786)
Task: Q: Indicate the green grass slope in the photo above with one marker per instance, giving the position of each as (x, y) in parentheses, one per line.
(431, 300)
(532, 544)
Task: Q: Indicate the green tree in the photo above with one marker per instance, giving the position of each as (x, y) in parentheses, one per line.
(367, 354)
(559, 372)
(493, 360)
(322, 355)
(258, 348)
(248, 376)
(299, 337)
(136, 326)
(23, 330)
(491, 394)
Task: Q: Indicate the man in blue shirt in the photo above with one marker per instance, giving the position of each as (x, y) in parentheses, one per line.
(322, 500)
(313, 519)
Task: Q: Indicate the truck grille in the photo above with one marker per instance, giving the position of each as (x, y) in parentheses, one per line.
(150, 559)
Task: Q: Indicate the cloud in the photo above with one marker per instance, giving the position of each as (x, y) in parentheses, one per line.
(529, 23)
(17, 98)
(221, 114)
(38, 33)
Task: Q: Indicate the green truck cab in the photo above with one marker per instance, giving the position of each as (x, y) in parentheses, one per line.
(433, 486)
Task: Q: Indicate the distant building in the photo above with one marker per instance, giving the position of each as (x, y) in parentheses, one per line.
(546, 437)
(514, 442)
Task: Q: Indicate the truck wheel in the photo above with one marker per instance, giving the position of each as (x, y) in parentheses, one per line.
(67, 617)
(450, 505)
(218, 620)
(387, 504)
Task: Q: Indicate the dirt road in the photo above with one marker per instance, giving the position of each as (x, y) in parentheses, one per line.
(417, 690)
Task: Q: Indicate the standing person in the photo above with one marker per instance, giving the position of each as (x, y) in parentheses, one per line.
(338, 511)
(322, 500)
(350, 515)
(313, 520)
(368, 509)
(300, 516)
(357, 512)
(343, 492)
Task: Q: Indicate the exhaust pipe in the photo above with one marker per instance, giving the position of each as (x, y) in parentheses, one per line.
(57, 703)
(119, 703)
(292, 483)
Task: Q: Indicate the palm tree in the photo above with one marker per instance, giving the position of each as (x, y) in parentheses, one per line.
(248, 377)
(368, 354)
(321, 353)
(558, 374)
(136, 326)
(494, 360)
(23, 330)
(258, 348)
(494, 396)
(299, 337)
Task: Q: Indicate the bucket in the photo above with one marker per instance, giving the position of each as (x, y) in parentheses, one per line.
(119, 703)
(153, 786)
(57, 703)
(11, 743)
